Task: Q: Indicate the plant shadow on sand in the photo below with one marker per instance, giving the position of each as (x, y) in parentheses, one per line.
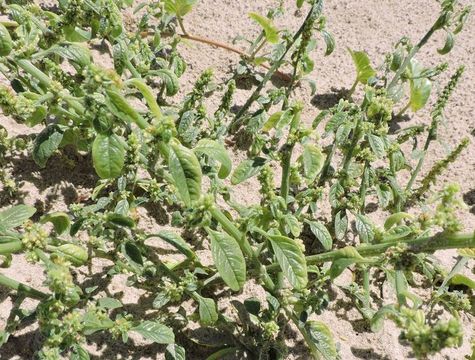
(361, 353)
(64, 174)
(469, 199)
(328, 100)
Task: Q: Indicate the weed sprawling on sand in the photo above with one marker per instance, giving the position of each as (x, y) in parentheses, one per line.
(315, 182)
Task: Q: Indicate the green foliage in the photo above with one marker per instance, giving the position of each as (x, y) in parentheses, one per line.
(179, 7)
(364, 71)
(271, 32)
(228, 259)
(308, 223)
(108, 154)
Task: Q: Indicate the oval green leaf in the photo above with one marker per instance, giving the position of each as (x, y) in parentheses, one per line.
(312, 159)
(270, 31)
(186, 172)
(291, 259)
(228, 259)
(216, 151)
(108, 155)
(153, 330)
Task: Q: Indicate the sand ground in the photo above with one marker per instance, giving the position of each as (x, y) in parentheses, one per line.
(370, 25)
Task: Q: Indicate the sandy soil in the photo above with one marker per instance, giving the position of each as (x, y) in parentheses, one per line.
(370, 25)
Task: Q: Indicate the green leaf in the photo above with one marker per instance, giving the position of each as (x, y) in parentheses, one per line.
(46, 143)
(228, 259)
(120, 220)
(377, 145)
(323, 339)
(149, 97)
(278, 120)
(179, 7)
(161, 299)
(177, 241)
(271, 32)
(76, 34)
(60, 221)
(92, 323)
(395, 219)
(385, 195)
(119, 56)
(15, 216)
(6, 43)
(207, 310)
(121, 108)
(364, 71)
(109, 303)
(186, 172)
(292, 225)
(174, 352)
(378, 319)
(170, 79)
(364, 228)
(459, 279)
(336, 192)
(79, 353)
(156, 332)
(73, 52)
(397, 232)
(122, 207)
(449, 44)
(339, 265)
(272, 121)
(216, 151)
(253, 305)
(132, 253)
(420, 87)
(37, 116)
(467, 253)
(299, 3)
(291, 259)
(312, 159)
(247, 169)
(73, 253)
(341, 224)
(329, 42)
(321, 233)
(108, 156)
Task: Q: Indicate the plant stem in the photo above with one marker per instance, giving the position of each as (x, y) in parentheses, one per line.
(11, 247)
(22, 288)
(364, 186)
(34, 71)
(286, 157)
(256, 42)
(412, 53)
(404, 109)
(8, 23)
(304, 332)
(261, 45)
(352, 89)
(132, 69)
(428, 244)
(363, 189)
(221, 45)
(314, 11)
(354, 142)
(232, 230)
(326, 165)
(181, 25)
(74, 103)
(149, 98)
